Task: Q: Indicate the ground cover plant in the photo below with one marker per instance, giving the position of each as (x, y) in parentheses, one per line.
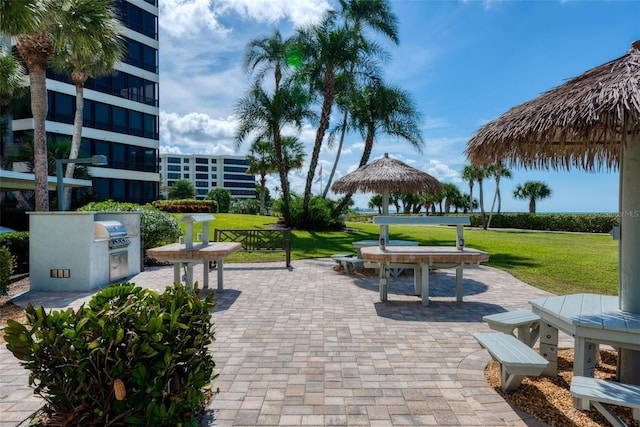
(560, 263)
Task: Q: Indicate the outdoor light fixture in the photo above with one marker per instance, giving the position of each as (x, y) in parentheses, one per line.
(97, 160)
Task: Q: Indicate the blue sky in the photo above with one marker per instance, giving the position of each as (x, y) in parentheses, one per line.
(464, 63)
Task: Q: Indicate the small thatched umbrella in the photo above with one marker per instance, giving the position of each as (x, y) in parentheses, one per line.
(591, 122)
(384, 176)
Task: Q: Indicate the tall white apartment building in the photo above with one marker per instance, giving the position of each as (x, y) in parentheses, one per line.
(207, 172)
(121, 112)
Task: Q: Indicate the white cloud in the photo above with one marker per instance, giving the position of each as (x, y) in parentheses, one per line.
(197, 133)
(298, 12)
(188, 18)
(442, 172)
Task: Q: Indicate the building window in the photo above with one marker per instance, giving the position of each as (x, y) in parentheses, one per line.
(186, 176)
(201, 176)
(235, 169)
(228, 184)
(173, 159)
(239, 177)
(173, 168)
(214, 176)
(202, 184)
(201, 160)
(213, 168)
(173, 176)
(202, 168)
(185, 160)
(185, 167)
(236, 162)
(213, 161)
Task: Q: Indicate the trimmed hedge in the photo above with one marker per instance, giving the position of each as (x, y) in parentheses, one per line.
(582, 223)
(579, 223)
(186, 206)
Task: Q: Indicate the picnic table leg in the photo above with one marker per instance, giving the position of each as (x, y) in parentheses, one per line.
(549, 348)
(417, 280)
(424, 273)
(220, 265)
(176, 272)
(383, 282)
(459, 290)
(205, 274)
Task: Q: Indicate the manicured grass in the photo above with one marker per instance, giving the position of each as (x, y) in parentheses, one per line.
(561, 263)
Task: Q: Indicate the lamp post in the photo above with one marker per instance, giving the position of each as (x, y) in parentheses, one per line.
(97, 160)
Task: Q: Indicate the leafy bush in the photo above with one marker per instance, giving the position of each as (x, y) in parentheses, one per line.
(156, 228)
(186, 205)
(18, 245)
(222, 196)
(7, 262)
(321, 215)
(245, 206)
(131, 357)
(584, 223)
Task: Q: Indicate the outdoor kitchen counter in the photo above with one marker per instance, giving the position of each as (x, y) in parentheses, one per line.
(421, 258)
(179, 255)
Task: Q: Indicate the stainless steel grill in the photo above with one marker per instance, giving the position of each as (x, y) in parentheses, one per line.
(114, 231)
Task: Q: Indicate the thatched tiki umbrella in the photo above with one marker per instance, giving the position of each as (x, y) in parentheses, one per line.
(590, 122)
(383, 176)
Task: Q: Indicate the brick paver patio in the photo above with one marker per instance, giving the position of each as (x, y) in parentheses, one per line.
(314, 347)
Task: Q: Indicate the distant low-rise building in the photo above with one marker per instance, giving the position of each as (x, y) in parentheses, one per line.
(208, 172)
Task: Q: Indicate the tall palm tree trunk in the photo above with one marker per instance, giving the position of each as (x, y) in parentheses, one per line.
(76, 138)
(263, 183)
(343, 131)
(495, 197)
(39, 108)
(325, 116)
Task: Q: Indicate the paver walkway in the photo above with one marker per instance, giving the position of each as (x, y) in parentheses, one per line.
(312, 346)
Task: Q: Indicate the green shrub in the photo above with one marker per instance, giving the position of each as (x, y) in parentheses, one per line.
(7, 263)
(321, 215)
(154, 345)
(186, 205)
(156, 228)
(245, 206)
(18, 245)
(584, 223)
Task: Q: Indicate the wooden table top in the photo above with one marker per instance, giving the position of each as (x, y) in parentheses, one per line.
(587, 311)
(423, 254)
(211, 251)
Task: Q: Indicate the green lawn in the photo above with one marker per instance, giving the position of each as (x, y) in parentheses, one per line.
(561, 263)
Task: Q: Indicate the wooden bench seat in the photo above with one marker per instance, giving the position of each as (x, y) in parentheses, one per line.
(600, 393)
(525, 322)
(349, 262)
(517, 360)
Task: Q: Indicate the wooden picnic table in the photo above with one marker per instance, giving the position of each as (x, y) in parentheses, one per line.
(421, 259)
(179, 256)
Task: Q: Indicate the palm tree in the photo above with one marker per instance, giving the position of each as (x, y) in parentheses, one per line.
(89, 47)
(383, 109)
(481, 173)
(497, 171)
(181, 189)
(261, 162)
(264, 116)
(452, 195)
(376, 202)
(532, 190)
(327, 50)
(293, 153)
(377, 16)
(470, 174)
(12, 82)
(32, 21)
(259, 112)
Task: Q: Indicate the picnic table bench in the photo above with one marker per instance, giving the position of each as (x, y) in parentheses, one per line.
(600, 393)
(258, 240)
(526, 322)
(517, 360)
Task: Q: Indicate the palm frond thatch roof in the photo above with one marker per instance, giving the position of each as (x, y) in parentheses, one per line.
(386, 175)
(580, 123)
